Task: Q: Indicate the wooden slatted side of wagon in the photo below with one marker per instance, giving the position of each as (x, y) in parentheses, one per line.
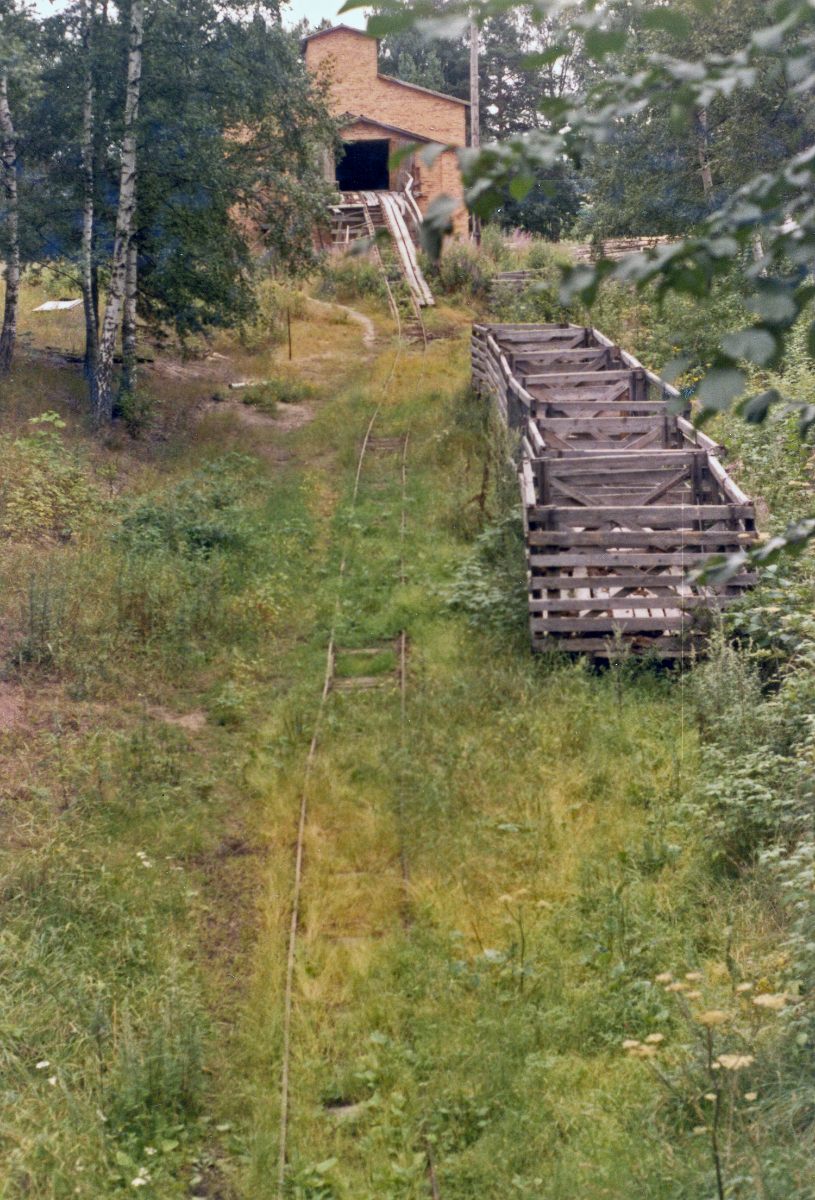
(622, 496)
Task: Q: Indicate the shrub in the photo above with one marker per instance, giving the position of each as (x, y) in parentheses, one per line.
(546, 256)
(285, 389)
(274, 300)
(135, 409)
(351, 277)
(198, 517)
(490, 585)
(494, 246)
(44, 487)
(461, 270)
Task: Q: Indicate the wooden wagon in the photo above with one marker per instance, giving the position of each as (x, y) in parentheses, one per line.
(622, 496)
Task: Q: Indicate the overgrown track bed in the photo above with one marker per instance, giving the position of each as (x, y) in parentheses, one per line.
(342, 677)
(622, 496)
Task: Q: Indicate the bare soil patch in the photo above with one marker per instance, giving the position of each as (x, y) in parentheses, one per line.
(193, 721)
(12, 706)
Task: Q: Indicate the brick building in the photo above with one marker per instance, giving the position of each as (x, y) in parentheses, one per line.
(380, 114)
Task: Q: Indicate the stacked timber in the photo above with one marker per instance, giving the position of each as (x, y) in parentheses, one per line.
(580, 252)
(617, 248)
(622, 496)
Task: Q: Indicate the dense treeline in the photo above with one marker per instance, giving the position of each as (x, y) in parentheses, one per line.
(132, 137)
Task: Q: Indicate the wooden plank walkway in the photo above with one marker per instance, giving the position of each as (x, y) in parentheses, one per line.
(622, 495)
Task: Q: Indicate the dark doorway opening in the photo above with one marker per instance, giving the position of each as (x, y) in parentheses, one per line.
(364, 167)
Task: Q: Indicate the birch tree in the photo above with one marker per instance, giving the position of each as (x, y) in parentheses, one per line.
(87, 20)
(129, 343)
(124, 218)
(8, 154)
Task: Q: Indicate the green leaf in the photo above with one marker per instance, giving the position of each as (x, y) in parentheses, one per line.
(544, 58)
(600, 42)
(398, 157)
(437, 223)
(431, 153)
(579, 281)
(666, 20)
(755, 408)
(521, 186)
(774, 303)
(676, 367)
(720, 386)
(755, 345)
(449, 26)
(811, 340)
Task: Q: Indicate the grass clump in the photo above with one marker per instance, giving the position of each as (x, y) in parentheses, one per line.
(277, 301)
(462, 271)
(284, 389)
(45, 488)
(351, 277)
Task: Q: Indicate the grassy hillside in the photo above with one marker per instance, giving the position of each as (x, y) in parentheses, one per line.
(505, 883)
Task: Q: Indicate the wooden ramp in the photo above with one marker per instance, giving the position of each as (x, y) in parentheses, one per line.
(622, 496)
(361, 214)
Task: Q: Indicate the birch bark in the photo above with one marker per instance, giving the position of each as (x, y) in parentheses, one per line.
(8, 164)
(129, 362)
(124, 217)
(702, 143)
(87, 18)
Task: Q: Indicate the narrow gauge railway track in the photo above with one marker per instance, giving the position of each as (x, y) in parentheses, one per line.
(367, 445)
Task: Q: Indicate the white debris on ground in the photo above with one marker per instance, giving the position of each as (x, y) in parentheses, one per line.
(53, 305)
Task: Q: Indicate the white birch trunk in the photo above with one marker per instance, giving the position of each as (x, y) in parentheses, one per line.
(129, 347)
(8, 159)
(88, 16)
(702, 143)
(124, 217)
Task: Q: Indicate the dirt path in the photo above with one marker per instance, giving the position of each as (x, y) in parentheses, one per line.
(367, 325)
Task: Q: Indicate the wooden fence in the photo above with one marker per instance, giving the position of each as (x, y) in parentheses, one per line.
(622, 495)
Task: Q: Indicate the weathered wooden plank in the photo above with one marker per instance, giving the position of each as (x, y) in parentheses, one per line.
(642, 578)
(663, 647)
(688, 559)
(669, 600)
(593, 408)
(609, 624)
(725, 541)
(605, 425)
(671, 514)
(641, 460)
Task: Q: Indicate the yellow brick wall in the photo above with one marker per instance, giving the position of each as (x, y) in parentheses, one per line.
(348, 61)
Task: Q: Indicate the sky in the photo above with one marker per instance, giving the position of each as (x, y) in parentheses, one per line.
(295, 11)
(317, 10)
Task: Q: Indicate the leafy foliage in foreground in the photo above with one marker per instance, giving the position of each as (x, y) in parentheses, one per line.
(765, 224)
